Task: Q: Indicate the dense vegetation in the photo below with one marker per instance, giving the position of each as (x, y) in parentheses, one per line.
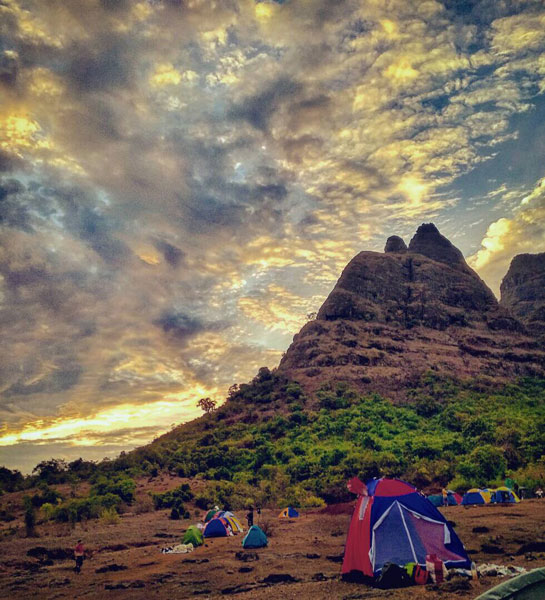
(270, 445)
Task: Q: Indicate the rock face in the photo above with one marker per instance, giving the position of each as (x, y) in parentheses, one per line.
(523, 291)
(391, 317)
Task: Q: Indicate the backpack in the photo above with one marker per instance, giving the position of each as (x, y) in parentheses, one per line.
(393, 576)
(420, 575)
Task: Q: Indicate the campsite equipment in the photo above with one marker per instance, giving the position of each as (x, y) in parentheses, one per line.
(435, 568)
(193, 535)
(503, 495)
(476, 496)
(255, 538)
(529, 586)
(420, 575)
(393, 576)
(395, 523)
(217, 528)
(288, 513)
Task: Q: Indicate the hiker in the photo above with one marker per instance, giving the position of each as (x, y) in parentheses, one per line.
(79, 553)
(250, 517)
(445, 497)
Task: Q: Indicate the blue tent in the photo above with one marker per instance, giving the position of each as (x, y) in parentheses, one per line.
(475, 496)
(255, 538)
(216, 528)
(394, 523)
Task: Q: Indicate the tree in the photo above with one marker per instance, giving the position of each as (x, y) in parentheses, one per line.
(207, 405)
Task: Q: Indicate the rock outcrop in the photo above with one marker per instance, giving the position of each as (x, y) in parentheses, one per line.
(395, 244)
(523, 291)
(394, 316)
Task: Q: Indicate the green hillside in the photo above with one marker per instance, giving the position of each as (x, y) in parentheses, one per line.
(269, 444)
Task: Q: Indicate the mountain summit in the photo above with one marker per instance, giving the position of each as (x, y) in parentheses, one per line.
(395, 315)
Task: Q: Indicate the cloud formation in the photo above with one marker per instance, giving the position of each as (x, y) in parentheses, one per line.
(181, 184)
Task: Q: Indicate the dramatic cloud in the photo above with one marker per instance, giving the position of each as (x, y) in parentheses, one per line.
(181, 183)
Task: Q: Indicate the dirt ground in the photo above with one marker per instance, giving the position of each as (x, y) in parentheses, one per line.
(303, 559)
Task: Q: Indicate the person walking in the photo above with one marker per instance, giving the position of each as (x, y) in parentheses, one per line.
(79, 554)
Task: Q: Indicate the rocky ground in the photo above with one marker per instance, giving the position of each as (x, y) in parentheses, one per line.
(303, 559)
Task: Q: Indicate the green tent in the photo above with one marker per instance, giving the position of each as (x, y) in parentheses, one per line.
(209, 515)
(193, 535)
(529, 586)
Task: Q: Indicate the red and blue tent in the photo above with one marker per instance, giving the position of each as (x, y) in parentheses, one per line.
(393, 522)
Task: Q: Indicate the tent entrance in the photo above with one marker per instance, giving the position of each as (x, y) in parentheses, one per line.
(402, 535)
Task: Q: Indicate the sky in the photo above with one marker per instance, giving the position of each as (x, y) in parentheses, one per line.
(183, 181)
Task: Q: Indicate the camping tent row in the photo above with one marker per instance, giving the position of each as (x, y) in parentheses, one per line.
(501, 495)
(221, 524)
(393, 522)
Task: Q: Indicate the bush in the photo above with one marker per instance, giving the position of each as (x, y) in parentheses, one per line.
(120, 485)
(109, 516)
(173, 498)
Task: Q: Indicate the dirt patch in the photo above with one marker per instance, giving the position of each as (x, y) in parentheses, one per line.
(308, 550)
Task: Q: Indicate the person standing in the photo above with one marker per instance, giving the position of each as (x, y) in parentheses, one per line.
(250, 517)
(444, 493)
(79, 554)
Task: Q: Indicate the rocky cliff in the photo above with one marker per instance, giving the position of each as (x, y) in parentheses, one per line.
(523, 291)
(393, 316)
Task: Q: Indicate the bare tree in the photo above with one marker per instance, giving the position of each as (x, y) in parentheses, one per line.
(207, 405)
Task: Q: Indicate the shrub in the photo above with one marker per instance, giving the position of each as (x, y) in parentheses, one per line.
(109, 516)
(173, 498)
(143, 505)
(120, 485)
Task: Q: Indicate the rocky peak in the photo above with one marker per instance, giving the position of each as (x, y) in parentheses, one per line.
(395, 244)
(523, 290)
(393, 316)
(429, 242)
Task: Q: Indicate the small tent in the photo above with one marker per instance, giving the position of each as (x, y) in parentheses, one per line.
(217, 528)
(453, 499)
(503, 495)
(231, 519)
(476, 496)
(209, 515)
(193, 536)
(394, 523)
(288, 513)
(255, 538)
(528, 586)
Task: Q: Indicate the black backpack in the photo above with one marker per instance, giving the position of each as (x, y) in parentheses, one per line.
(393, 576)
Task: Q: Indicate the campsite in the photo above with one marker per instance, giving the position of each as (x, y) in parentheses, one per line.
(303, 557)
